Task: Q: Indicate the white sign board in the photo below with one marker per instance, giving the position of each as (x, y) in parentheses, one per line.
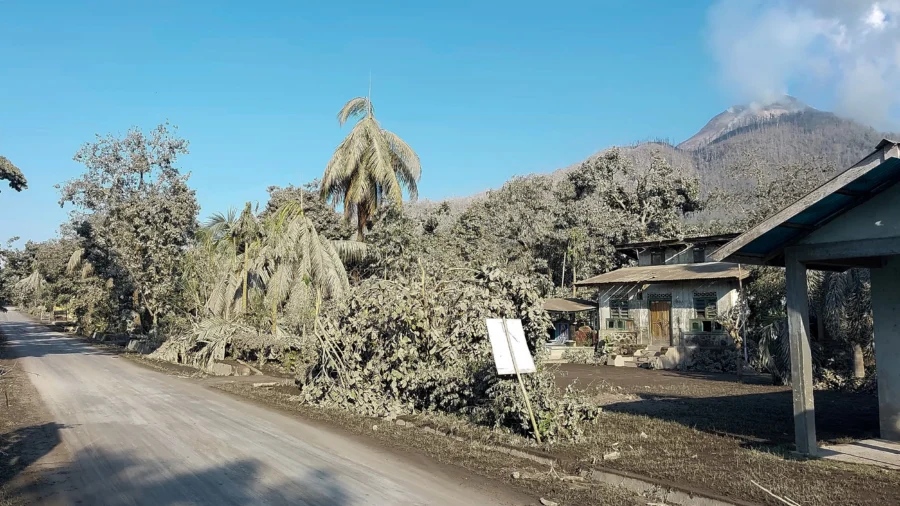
(500, 344)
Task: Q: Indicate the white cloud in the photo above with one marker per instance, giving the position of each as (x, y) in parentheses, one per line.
(877, 19)
(762, 46)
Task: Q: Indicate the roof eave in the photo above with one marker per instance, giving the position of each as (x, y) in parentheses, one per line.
(731, 252)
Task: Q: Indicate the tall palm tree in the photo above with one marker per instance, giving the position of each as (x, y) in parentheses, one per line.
(371, 164)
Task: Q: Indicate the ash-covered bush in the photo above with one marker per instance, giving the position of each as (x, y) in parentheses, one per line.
(422, 344)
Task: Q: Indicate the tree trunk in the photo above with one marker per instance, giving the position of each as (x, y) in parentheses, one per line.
(820, 325)
(858, 360)
(246, 275)
(274, 309)
(562, 274)
(574, 277)
(362, 216)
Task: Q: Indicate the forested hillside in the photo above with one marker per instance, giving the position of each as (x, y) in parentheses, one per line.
(785, 133)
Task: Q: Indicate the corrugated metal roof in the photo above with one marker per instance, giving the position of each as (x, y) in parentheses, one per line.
(569, 304)
(665, 273)
(764, 243)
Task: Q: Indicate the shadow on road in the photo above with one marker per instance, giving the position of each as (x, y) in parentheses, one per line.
(26, 339)
(99, 477)
(22, 447)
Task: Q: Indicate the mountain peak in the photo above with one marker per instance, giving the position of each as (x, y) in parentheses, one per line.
(738, 116)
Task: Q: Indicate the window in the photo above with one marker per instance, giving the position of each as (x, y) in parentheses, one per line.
(699, 254)
(619, 324)
(707, 312)
(618, 316)
(618, 308)
(705, 305)
(705, 326)
(657, 257)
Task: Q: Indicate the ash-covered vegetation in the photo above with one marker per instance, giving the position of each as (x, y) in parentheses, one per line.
(380, 310)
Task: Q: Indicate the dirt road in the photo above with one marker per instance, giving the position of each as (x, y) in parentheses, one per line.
(128, 435)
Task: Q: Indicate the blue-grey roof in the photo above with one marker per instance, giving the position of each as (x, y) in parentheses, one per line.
(764, 243)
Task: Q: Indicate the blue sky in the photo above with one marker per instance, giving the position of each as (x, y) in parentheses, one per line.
(481, 90)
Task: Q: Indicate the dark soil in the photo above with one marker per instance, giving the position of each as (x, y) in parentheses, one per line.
(710, 432)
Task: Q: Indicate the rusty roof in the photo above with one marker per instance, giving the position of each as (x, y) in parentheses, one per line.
(665, 273)
(569, 304)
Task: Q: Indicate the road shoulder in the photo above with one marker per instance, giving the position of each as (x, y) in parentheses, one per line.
(31, 448)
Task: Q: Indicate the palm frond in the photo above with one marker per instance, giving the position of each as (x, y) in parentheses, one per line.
(32, 283)
(407, 164)
(381, 161)
(352, 251)
(74, 260)
(355, 108)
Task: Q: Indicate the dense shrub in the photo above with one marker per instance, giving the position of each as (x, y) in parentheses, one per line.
(420, 344)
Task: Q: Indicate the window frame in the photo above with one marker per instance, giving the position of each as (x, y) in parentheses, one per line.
(657, 253)
(707, 317)
(620, 324)
(714, 326)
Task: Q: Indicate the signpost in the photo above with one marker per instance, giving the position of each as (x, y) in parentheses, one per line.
(511, 356)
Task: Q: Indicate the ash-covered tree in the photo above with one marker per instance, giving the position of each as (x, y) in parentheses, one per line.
(755, 191)
(369, 166)
(11, 174)
(512, 228)
(327, 222)
(141, 211)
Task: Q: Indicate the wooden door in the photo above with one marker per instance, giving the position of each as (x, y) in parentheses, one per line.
(660, 322)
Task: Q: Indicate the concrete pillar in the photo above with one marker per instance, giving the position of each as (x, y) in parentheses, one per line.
(886, 311)
(801, 357)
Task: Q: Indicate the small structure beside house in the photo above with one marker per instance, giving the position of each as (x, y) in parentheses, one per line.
(853, 220)
(574, 328)
(666, 310)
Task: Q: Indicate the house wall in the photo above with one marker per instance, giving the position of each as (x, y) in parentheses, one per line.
(682, 296)
(876, 218)
(674, 255)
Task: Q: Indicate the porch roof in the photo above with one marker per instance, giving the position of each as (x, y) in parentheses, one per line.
(569, 305)
(764, 244)
(666, 273)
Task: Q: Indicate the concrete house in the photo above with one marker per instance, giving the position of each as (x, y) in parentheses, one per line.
(670, 303)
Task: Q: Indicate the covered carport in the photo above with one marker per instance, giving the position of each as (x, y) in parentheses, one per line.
(853, 220)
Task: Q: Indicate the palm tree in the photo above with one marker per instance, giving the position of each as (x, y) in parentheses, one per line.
(284, 260)
(33, 285)
(299, 263)
(220, 239)
(847, 313)
(370, 165)
(233, 235)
